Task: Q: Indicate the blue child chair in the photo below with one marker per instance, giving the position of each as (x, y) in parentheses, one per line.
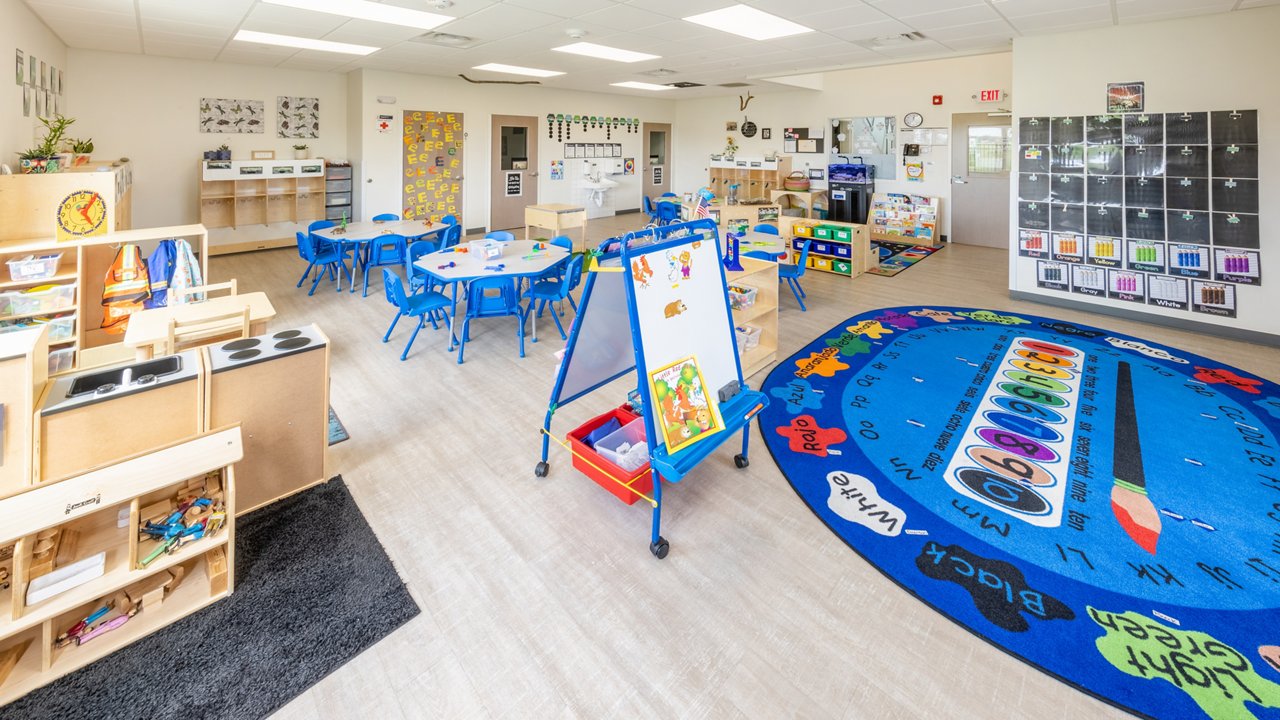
(650, 210)
(765, 229)
(792, 273)
(451, 235)
(421, 305)
(480, 305)
(501, 236)
(668, 212)
(555, 290)
(449, 220)
(417, 276)
(386, 217)
(323, 256)
(385, 250)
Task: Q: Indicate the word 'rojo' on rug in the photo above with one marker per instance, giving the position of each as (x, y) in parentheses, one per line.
(1103, 507)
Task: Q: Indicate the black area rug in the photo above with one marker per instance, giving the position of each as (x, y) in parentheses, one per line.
(314, 588)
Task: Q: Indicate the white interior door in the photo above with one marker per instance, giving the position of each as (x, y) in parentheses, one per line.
(981, 157)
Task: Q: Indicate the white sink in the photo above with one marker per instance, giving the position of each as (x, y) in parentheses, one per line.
(601, 184)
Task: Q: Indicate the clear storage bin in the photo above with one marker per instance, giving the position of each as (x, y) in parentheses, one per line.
(741, 297)
(61, 360)
(44, 299)
(625, 447)
(34, 268)
(751, 335)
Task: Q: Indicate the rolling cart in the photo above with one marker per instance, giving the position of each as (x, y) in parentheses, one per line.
(667, 285)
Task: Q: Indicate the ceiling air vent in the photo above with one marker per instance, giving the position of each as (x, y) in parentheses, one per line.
(901, 39)
(684, 84)
(446, 40)
(734, 84)
(659, 73)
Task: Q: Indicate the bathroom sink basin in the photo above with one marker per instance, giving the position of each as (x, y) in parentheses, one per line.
(112, 378)
(601, 184)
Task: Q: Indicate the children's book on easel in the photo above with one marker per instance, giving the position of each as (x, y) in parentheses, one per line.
(667, 287)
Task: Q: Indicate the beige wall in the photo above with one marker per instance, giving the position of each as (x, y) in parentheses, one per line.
(21, 30)
(887, 90)
(382, 153)
(147, 109)
(1213, 62)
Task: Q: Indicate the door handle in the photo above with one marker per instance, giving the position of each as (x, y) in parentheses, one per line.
(958, 180)
(533, 174)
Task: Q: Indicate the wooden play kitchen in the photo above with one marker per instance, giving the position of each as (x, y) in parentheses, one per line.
(834, 247)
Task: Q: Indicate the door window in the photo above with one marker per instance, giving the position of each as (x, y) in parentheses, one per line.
(990, 149)
(515, 148)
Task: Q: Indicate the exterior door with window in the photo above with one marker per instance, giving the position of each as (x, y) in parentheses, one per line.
(514, 182)
(981, 157)
(657, 159)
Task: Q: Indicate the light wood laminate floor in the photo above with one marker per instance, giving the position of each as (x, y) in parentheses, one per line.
(540, 598)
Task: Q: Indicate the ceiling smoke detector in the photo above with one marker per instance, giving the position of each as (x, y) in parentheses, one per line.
(576, 33)
(900, 39)
(684, 84)
(441, 4)
(660, 72)
(445, 40)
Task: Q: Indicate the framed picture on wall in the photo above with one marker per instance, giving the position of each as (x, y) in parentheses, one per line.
(1126, 97)
(766, 133)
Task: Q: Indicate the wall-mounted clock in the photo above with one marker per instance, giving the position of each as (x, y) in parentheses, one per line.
(913, 120)
(83, 213)
(748, 128)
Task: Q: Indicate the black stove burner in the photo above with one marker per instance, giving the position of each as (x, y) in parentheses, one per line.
(293, 343)
(244, 354)
(245, 344)
(287, 334)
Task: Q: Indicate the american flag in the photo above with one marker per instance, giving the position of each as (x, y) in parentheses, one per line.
(701, 210)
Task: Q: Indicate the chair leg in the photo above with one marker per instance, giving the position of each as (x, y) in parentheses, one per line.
(316, 282)
(559, 326)
(573, 304)
(394, 320)
(306, 273)
(801, 289)
(462, 342)
(520, 330)
(795, 290)
(412, 337)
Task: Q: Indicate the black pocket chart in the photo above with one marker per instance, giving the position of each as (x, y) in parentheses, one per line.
(1104, 129)
(1145, 129)
(1186, 128)
(1235, 230)
(1033, 159)
(1033, 186)
(1144, 160)
(1068, 189)
(1186, 193)
(1068, 159)
(1068, 218)
(1033, 216)
(1106, 221)
(1187, 227)
(1186, 160)
(1067, 130)
(1033, 131)
(1144, 192)
(1104, 190)
(1235, 161)
(1144, 223)
(1237, 196)
(1234, 126)
(1105, 160)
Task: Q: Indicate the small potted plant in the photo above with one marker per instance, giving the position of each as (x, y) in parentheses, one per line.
(300, 152)
(80, 150)
(43, 158)
(224, 152)
(730, 147)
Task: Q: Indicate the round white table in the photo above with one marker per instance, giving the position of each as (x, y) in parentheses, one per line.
(752, 241)
(359, 234)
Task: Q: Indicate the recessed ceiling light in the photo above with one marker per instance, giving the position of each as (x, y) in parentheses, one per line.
(517, 70)
(641, 85)
(748, 22)
(604, 52)
(364, 10)
(304, 43)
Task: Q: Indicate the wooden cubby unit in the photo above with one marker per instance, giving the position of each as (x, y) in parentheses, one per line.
(231, 200)
(103, 508)
(850, 258)
(763, 276)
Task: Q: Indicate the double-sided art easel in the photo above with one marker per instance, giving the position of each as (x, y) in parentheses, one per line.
(667, 285)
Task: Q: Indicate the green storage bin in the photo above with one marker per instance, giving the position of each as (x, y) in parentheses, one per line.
(823, 232)
(840, 266)
(843, 234)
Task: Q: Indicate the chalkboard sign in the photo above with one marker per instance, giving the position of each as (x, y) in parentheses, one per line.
(515, 184)
(657, 175)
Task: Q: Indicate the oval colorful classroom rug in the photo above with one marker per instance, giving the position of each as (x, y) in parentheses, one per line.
(1102, 507)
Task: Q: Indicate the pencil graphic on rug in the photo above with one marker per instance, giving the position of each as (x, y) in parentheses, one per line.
(1133, 509)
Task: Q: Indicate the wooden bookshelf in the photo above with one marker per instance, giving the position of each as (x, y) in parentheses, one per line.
(843, 249)
(763, 276)
(756, 177)
(260, 192)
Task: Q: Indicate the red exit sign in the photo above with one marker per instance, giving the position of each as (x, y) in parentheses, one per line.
(987, 96)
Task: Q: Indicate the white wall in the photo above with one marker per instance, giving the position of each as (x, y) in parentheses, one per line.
(147, 109)
(21, 30)
(887, 90)
(382, 153)
(1213, 62)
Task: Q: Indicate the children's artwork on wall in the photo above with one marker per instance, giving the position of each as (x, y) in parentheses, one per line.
(42, 78)
(1126, 97)
(297, 117)
(223, 115)
(731, 126)
(766, 133)
(557, 169)
(19, 68)
(432, 164)
(915, 171)
(688, 413)
(629, 166)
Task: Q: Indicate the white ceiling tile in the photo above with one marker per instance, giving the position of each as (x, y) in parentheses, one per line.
(679, 8)
(842, 17)
(1130, 9)
(563, 8)
(116, 6)
(1022, 8)
(859, 33)
(1050, 22)
(949, 18)
(181, 50)
(625, 17)
(904, 8)
(364, 32)
(994, 43)
(499, 21)
(223, 13)
(982, 29)
(291, 21)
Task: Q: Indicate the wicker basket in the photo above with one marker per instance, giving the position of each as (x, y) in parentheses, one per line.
(795, 181)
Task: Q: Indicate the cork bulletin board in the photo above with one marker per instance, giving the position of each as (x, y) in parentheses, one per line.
(433, 144)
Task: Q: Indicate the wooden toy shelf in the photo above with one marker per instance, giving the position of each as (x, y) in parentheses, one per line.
(756, 177)
(806, 200)
(101, 512)
(763, 276)
(229, 199)
(844, 250)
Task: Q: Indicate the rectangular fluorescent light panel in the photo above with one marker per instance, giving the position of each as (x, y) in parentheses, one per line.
(517, 70)
(304, 43)
(641, 85)
(748, 22)
(604, 52)
(363, 10)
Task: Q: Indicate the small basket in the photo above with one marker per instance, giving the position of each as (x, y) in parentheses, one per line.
(796, 181)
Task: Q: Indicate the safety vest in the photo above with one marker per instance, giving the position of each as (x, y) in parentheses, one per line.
(127, 286)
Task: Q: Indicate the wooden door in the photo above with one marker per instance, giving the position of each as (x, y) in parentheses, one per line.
(657, 159)
(433, 144)
(513, 183)
(981, 157)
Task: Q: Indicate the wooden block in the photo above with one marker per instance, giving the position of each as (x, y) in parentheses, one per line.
(156, 512)
(68, 543)
(155, 597)
(9, 658)
(177, 573)
(40, 567)
(140, 591)
(216, 560)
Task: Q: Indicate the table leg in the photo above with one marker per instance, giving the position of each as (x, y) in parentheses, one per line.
(453, 316)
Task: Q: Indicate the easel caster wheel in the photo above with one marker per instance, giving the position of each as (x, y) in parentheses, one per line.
(660, 548)
(740, 461)
(541, 469)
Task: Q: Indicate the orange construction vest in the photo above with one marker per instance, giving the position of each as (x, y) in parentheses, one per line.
(127, 285)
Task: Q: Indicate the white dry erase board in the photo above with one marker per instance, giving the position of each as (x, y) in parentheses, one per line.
(681, 309)
(602, 349)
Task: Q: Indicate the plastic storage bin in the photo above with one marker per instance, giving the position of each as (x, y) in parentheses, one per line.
(741, 297)
(822, 232)
(802, 230)
(843, 234)
(819, 248)
(750, 334)
(487, 249)
(43, 299)
(61, 360)
(603, 471)
(34, 268)
(62, 328)
(626, 447)
(841, 250)
(841, 266)
(820, 263)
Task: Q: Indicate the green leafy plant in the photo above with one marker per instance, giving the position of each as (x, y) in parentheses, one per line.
(81, 147)
(55, 131)
(224, 148)
(300, 147)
